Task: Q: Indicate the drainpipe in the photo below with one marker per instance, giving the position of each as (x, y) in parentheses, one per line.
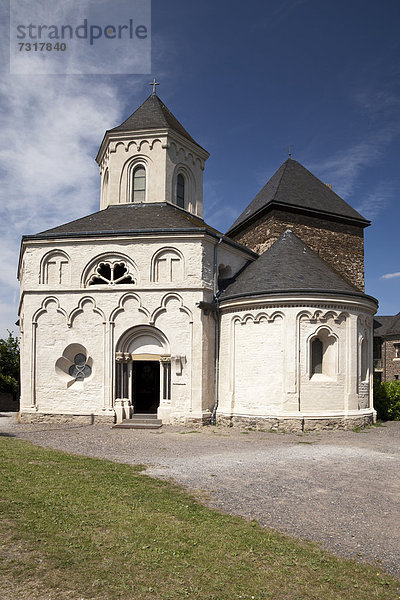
(217, 333)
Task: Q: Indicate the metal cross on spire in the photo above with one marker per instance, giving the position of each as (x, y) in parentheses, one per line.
(154, 83)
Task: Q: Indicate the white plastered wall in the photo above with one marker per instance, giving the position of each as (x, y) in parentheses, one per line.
(265, 362)
(66, 311)
(164, 155)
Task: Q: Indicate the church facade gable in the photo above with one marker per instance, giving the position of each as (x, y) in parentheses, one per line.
(120, 288)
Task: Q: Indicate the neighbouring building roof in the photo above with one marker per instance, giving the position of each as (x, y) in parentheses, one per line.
(294, 187)
(386, 325)
(288, 265)
(130, 218)
(153, 114)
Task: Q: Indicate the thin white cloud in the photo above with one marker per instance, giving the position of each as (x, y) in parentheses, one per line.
(390, 275)
(217, 212)
(383, 102)
(52, 127)
(345, 166)
(376, 201)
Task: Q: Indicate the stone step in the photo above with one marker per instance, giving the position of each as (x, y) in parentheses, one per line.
(139, 421)
(152, 416)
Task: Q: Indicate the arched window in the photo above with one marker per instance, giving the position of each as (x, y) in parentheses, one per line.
(139, 184)
(167, 266)
(323, 354)
(105, 187)
(111, 273)
(55, 268)
(180, 191)
(317, 349)
(364, 360)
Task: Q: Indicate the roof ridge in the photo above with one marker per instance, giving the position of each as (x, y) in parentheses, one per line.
(281, 177)
(294, 188)
(153, 112)
(317, 255)
(283, 266)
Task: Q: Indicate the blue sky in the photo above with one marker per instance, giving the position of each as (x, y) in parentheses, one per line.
(246, 79)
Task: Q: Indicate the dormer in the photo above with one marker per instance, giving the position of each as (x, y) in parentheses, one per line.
(151, 158)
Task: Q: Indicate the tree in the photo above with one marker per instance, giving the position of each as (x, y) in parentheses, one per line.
(9, 365)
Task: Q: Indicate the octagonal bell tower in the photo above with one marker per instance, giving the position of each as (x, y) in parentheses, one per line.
(151, 158)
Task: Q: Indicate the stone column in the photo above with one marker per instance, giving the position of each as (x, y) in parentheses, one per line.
(164, 408)
(118, 375)
(122, 402)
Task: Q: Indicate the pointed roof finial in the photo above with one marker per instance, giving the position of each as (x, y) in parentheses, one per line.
(154, 83)
(289, 149)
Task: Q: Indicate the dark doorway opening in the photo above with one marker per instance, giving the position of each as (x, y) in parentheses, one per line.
(146, 386)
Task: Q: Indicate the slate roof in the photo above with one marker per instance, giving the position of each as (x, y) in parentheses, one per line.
(130, 218)
(293, 187)
(153, 114)
(288, 265)
(386, 325)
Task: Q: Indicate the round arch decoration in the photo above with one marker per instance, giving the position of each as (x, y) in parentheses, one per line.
(190, 186)
(143, 340)
(142, 350)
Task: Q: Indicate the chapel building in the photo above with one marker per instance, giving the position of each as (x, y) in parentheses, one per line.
(143, 311)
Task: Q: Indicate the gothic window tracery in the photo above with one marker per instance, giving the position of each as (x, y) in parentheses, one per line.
(80, 369)
(74, 365)
(112, 273)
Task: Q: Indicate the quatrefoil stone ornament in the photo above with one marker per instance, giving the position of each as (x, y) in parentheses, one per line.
(80, 370)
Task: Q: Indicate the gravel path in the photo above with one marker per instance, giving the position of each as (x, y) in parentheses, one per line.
(338, 488)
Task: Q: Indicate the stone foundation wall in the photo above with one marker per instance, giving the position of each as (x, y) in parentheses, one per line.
(297, 425)
(25, 417)
(187, 421)
(340, 245)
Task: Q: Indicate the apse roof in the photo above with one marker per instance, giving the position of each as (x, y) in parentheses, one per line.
(288, 265)
(293, 187)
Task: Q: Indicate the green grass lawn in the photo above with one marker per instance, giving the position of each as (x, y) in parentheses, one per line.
(80, 528)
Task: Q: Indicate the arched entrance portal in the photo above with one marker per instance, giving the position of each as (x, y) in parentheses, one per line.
(143, 370)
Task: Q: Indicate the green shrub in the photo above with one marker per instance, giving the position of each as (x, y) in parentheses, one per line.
(387, 400)
(9, 365)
